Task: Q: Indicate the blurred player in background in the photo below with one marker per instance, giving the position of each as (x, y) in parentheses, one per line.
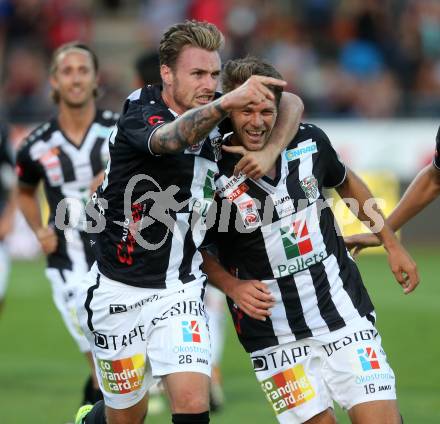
(68, 154)
(298, 301)
(7, 181)
(421, 192)
(147, 72)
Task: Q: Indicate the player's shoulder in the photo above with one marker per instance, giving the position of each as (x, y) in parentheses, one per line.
(42, 133)
(106, 117)
(308, 132)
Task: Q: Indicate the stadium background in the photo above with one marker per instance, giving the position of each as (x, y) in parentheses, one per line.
(369, 74)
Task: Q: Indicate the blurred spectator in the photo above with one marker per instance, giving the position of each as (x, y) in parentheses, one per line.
(24, 92)
(337, 55)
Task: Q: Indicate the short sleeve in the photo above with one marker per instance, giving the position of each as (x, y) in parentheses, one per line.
(27, 169)
(138, 123)
(437, 150)
(334, 169)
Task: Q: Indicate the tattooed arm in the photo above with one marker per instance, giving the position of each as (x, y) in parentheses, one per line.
(195, 124)
(191, 127)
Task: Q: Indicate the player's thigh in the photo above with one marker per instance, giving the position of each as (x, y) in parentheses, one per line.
(357, 371)
(325, 417)
(179, 345)
(4, 270)
(291, 380)
(378, 411)
(133, 415)
(117, 335)
(187, 392)
(65, 286)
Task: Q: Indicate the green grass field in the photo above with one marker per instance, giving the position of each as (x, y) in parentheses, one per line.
(42, 373)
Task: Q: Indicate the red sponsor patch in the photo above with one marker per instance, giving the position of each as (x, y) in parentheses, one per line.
(155, 120)
(242, 188)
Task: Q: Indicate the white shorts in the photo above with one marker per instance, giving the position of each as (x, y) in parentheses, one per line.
(138, 334)
(302, 378)
(4, 270)
(65, 286)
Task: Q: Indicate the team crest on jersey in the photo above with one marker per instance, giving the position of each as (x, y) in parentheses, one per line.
(310, 188)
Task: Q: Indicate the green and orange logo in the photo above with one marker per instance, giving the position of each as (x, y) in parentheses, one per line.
(288, 389)
(296, 239)
(123, 375)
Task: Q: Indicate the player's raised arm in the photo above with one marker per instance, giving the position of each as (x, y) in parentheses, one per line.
(402, 265)
(195, 124)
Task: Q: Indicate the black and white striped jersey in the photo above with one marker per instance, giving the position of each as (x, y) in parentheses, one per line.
(437, 150)
(6, 167)
(281, 232)
(148, 201)
(67, 171)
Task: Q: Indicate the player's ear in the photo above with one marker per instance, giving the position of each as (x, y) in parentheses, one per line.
(166, 73)
(53, 82)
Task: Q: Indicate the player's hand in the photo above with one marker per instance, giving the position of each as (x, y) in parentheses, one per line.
(253, 298)
(252, 164)
(358, 242)
(403, 267)
(48, 239)
(254, 91)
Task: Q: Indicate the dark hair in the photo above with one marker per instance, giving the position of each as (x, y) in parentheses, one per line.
(147, 67)
(237, 71)
(194, 33)
(74, 45)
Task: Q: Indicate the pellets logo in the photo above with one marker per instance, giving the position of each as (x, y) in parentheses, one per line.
(296, 239)
(288, 389)
(191, 331)
(123, 375)
(368, 358)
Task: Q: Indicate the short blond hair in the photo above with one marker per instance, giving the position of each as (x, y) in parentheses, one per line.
(193, 33)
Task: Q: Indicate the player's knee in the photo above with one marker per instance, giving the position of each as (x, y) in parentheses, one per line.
(201, 418)
(190, 403)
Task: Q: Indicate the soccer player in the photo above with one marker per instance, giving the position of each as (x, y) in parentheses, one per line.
(143, 311)
(68, 153)
(147, 71)
(7, 181)
(297, 299)
(421, 192)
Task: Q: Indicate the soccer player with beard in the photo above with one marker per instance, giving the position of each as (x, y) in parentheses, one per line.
(68, 154)
(312, 339)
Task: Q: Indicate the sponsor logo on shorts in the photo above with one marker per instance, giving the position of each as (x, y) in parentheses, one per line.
(362, 379)
(279, 358)
(288, 389)
(116, 341)
(333, 347)
(119, 308)
(368, 359)
(300, 152)
(191, 331)
(186, 307)
(123, 375)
